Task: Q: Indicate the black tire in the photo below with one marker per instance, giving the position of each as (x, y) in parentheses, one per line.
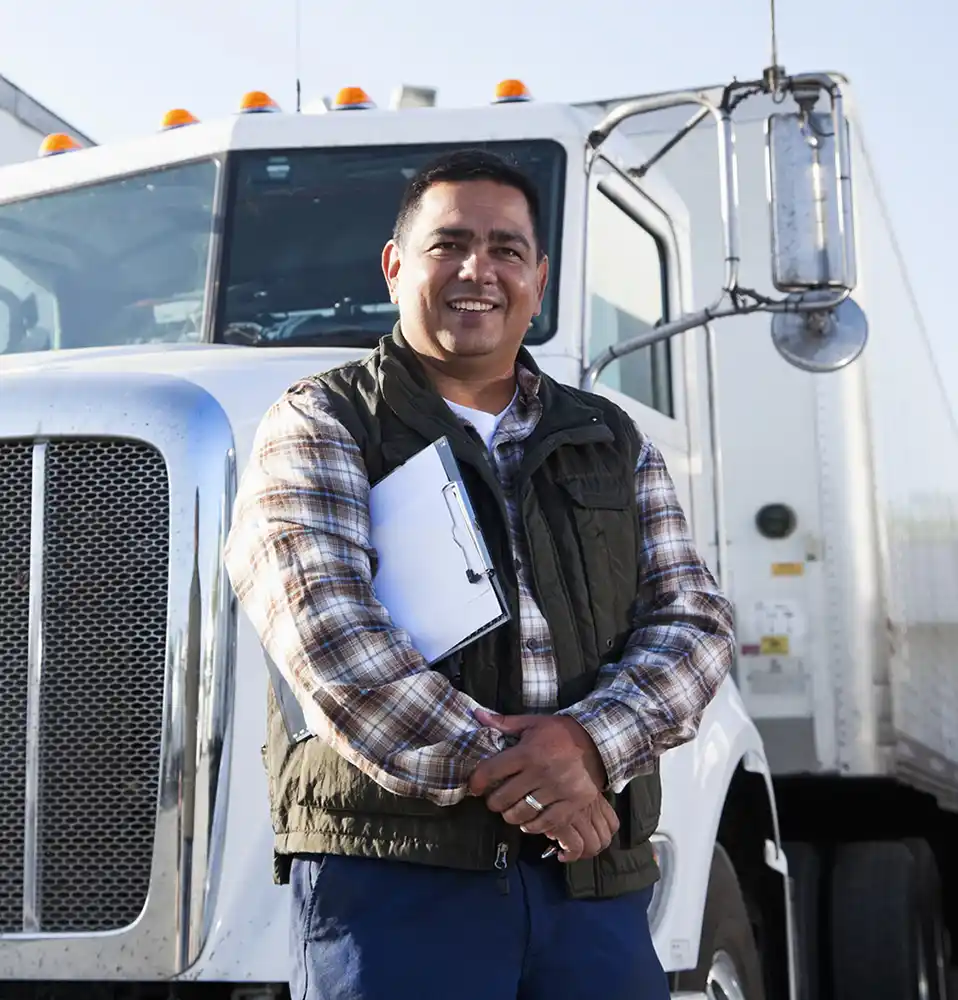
(932, 918)
(804, 869)
(726, 930)
(875, 923)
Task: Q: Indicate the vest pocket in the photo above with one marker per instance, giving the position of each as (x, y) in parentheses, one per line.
(645, 804)
(603, 511)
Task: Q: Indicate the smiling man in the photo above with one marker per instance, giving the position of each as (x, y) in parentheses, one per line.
(412, 828)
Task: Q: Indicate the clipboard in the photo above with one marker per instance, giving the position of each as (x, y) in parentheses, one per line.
(434, 574)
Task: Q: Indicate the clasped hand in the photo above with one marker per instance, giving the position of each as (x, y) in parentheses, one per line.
(557, 763)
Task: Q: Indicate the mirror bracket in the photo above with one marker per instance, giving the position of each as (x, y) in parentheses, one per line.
(806, 90)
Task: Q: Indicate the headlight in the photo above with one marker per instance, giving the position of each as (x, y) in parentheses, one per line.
(665, 858)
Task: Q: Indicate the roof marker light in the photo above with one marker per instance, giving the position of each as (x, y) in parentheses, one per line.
(57, 142)
(177, 118)
(511, 92)
(352, 99)
(256, 102)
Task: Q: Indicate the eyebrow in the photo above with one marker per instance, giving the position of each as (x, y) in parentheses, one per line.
(495, 235)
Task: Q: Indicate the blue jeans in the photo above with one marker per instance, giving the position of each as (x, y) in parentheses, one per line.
(365, 929)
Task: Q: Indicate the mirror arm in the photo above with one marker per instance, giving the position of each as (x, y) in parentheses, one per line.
(740, 303)
(639, 172)
(728, 173)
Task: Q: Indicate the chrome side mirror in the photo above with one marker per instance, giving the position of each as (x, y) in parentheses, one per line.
(820, 340)
(810, 200)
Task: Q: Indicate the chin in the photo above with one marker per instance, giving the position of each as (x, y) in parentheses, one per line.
(470, 345)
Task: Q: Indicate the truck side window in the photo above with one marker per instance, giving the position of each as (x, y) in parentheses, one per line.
(627, 296)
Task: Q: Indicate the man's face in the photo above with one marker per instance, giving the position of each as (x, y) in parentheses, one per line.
(467, 276)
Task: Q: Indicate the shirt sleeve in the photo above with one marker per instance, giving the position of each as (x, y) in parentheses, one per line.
(681, 644)
(299, 557)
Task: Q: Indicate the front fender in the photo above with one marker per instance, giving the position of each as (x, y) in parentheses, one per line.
(696, 780)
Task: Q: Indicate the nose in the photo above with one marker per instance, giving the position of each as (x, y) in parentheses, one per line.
(477, 266)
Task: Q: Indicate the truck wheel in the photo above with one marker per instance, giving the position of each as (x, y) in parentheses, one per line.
(877, 941)
(729, 965)
(932, 918)
(804, 869)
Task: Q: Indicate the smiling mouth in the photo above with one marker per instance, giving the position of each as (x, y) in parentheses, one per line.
(471, 306)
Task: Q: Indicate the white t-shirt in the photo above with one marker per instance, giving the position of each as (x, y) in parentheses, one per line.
(486, 424)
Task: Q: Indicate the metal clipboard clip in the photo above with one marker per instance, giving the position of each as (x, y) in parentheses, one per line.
(465, 535)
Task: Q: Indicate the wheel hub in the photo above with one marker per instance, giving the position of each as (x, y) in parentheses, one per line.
(724, 982)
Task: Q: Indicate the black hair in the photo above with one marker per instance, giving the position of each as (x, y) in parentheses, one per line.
(466, 165)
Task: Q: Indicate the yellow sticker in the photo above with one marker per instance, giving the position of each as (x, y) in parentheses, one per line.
(788, 569)
(774, 645)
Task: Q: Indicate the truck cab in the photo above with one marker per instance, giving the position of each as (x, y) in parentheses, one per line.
(156, 296)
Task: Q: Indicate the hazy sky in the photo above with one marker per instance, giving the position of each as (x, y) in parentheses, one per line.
(113, 69)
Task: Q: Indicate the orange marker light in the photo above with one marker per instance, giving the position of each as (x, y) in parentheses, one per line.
(352, 99)
(257, 102)
(57, 142)
(511, 92)
(177, 118)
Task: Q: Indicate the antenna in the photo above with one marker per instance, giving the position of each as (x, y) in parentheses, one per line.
(774, 74)
(297, 11)
(774, 35)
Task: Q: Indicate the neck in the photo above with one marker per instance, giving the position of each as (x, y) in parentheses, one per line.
(479, 391)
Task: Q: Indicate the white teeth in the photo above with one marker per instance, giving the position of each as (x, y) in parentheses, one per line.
(468, 305)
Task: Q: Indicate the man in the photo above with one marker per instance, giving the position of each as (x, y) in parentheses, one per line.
(413, 827)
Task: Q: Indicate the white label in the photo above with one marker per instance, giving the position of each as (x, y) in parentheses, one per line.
(778, 618)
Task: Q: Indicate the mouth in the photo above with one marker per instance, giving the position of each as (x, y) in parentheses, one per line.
(464, 305)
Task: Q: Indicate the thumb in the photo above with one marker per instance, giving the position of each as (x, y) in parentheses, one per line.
(504, 723)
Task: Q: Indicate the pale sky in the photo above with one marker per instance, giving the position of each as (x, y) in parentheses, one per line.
(113, 69)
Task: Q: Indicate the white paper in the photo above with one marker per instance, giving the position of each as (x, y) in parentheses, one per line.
(425, 551)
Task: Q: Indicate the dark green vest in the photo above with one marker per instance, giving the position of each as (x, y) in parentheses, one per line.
(577, 503)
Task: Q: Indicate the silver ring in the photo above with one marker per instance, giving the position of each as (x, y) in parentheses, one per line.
(534, 802)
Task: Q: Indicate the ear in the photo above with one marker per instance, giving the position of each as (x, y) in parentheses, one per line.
(391, 263)
(542, 279)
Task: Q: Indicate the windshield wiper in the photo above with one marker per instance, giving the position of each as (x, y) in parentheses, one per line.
(332, 336)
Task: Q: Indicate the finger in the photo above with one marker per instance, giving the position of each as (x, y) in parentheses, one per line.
(558, 815)
(570, 842)
(601, 827)
(494, 770)
(591, 841)
(504, 723)
(510, 793)
(522, 814)
(611, 816)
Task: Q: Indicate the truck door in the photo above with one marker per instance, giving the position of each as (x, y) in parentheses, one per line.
(628, 287)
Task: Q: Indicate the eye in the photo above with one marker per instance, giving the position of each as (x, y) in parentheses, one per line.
(510, 252)
(446, 245)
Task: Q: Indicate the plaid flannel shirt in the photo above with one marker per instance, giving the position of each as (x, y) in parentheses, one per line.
(298, 556)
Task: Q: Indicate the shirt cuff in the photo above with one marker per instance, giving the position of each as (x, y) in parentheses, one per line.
(623, 744)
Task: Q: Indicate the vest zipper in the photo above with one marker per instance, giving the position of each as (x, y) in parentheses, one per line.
(502, 866)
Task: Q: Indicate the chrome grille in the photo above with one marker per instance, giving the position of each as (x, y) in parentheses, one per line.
(16, 461)
(105, 570)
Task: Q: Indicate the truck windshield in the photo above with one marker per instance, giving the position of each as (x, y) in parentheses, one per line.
(305, 234)
(119, 262)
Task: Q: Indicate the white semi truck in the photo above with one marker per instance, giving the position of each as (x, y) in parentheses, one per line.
(162, 294)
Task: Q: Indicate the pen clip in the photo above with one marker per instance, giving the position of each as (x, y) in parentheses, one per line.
(462, 522)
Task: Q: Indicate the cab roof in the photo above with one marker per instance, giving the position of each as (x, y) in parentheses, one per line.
(560, 122)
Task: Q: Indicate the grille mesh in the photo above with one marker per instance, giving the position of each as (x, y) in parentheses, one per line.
(104, 642)
(16, 462)
(106, 552)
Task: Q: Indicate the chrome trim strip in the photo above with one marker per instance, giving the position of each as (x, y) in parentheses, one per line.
(214, 724)
(31, 816)
(193, 434)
